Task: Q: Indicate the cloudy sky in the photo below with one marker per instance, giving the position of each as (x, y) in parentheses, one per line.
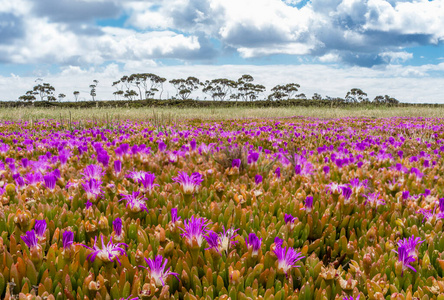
(327, 46)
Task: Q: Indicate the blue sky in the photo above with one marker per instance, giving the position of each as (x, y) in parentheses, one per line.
(327, 46)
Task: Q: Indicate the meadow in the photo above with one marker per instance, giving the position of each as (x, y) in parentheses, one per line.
(295, 203)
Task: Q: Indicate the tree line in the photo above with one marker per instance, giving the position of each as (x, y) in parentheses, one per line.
(145, 86)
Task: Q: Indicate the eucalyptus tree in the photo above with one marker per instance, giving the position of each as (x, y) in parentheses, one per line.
(356, 95)
(287, 91)
(76, 95)
(93, 89)
(219, 88)
(385, 100)
(247, 90)
(185, 87)
(29, 96)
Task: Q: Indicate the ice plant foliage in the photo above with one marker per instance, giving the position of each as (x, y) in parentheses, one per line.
(229, 207)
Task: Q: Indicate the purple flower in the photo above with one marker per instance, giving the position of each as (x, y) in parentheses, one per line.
(188, 183)
(308, 204)
(30, 239)
(236, 163)
(407, 252)
(117, 166)
(92, 188)
(258, 179)
(441, 208)
(333, 188)
(118, 226)
(254, 242)
(135, 202)
(405, 195)
(326, 169)
(136, 175)
(107, 253)
(287, 258)
(103, 158)
(156, 268)
(351, 298)
(427, 214)
(357, 186)
(194, 230)
(252, 157)
(50, 181)
(346, 192)
(33, 178)
(68, 239)
(88, 204)
(174, 217)
(93, 172)
(40, 228)
(223, 241)
(213, 241)
(277, 172)
(373, 201)
(162, 146)
(147, 181)
(278, 242)
(289, 219)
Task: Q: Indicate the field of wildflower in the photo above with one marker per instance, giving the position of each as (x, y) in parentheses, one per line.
(283, 208)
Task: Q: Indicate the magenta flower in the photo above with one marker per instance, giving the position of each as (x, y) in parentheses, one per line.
(253, 157)
(68, 239)
(334, 188)
(136, 175)
(118, 226)
(194, 230)
(287, 258)
(407, 252)
(308, 204)
(346, 192)
(33, 178)
(277, 172)
(147, 182)
(278, 242)
(254, 242)
(92, 188)
(236, 163)
(30, 239)
(189, 184)
(373, 201)
(117, 166)
(93, 172)
(107, 253)
(441, 209)
(135, 202)
(289, 219)
(156, 269)
(222, 241)
(427, 214)
(258, 179)
(351, 298)
(50, 181)
(174, 217)
(40, 228)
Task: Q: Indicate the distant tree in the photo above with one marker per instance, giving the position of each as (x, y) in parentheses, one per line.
(247, 90)
(356, 95)
(316, 96)
(28, 97)
(281, 92)
(44, 90)
(385, 100)
(301, 96)
(219, 88)
(76, 95)
(130, 94)
(185, 87)
(93, 89)
(61, 97)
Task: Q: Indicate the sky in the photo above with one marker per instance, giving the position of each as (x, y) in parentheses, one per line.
(384, 47)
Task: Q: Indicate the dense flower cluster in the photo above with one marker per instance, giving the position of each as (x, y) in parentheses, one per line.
(297, 208)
